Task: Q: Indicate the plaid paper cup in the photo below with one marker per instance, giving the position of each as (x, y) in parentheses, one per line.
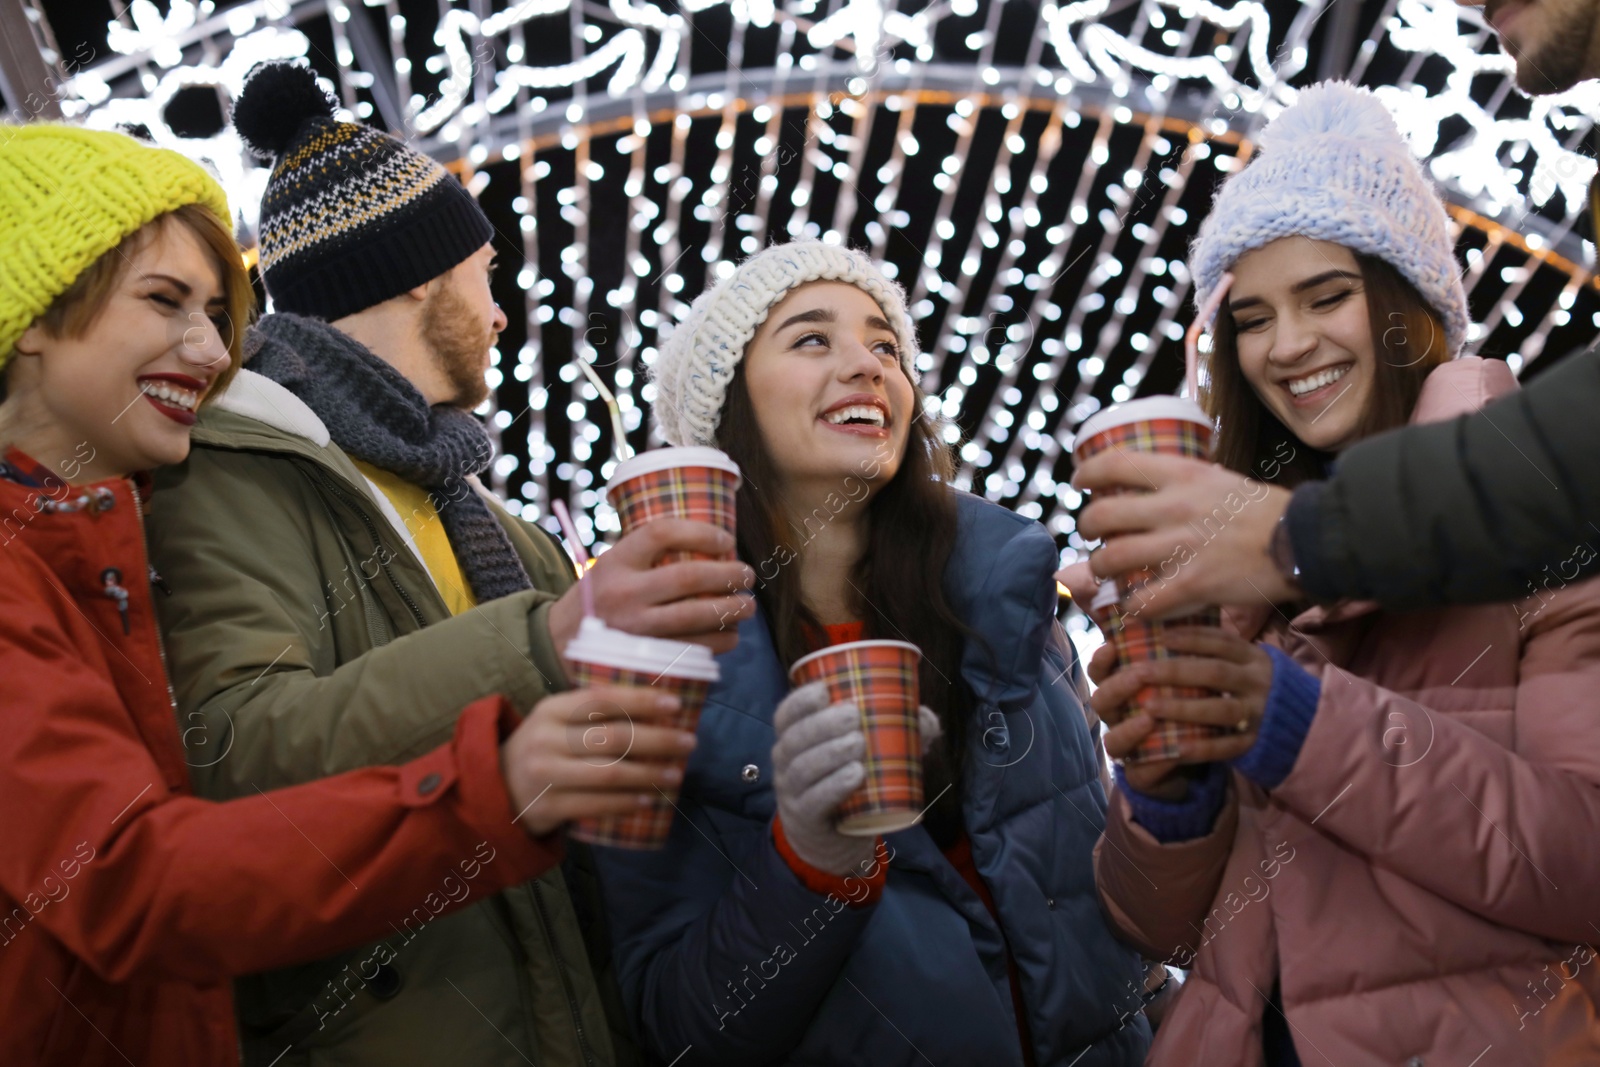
(676, 483)
(1139, 641)
(1173, 426)
(880, 678)
(648, 827)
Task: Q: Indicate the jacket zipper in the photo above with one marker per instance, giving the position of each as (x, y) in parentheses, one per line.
(561, 965)
(161, 643)
(372, 532)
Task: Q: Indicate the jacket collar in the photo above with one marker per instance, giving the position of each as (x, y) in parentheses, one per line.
(255, 396)
(999, 581)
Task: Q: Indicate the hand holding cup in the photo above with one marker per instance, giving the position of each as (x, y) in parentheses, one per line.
(816, 764)
(593, 752)
(1235, 674)
(601, 656)
(674, 573)
(700, 601)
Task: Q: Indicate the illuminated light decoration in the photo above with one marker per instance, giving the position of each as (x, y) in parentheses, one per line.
(1033, 189)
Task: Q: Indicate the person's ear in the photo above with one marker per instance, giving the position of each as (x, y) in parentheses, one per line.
(31, 342)
(420, 293)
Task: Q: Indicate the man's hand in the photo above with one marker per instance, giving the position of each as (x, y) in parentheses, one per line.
(700, 600)
(1205, 531)
(592, 752)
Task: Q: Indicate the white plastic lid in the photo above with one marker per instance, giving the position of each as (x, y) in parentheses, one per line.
(661, 459)
(1106, 595)
(599, 644)
(832, 649)
(1140, 410)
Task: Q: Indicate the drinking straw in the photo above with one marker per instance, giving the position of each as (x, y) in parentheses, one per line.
(1191, 338)
(586, 589)
(619, 434)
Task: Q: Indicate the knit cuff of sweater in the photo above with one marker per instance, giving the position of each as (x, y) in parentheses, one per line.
(1291, 705)
(1171, 821)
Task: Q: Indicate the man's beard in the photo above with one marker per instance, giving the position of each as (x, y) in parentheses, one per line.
(458, 340)
(1560, 57)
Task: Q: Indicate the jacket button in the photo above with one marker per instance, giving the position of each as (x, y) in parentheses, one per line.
(384, 983)
(1415, 1061)
(750, 773)
(1050, 902)
(429, 783)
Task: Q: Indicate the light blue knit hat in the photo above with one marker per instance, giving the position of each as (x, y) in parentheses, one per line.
(1334, 167)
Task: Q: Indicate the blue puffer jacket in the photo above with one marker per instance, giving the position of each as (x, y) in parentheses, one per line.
(726, 958)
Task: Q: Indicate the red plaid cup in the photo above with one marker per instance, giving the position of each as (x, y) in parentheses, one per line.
(676, 483)
(880, 678)
(1137, 640)
(1174, 426)
(602, 656)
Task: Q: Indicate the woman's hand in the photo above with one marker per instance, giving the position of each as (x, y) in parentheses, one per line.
(1239, 673)
(1125, 733)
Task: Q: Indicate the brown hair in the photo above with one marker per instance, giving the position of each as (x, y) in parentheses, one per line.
(75, 311)
(912, 529)
(1407, 339)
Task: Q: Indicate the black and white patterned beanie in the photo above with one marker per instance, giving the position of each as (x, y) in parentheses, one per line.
(351, 217)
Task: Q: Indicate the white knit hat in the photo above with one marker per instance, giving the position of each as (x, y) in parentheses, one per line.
(1333, 167)
(697, 361)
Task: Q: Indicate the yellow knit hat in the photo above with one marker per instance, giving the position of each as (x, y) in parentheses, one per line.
(67, 197)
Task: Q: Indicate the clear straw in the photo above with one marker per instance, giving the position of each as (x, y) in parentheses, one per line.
(1191, 338)
(586, 589)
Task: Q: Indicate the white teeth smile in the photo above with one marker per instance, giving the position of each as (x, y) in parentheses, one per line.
(860, 413)
(168, 393)
(1302, 386)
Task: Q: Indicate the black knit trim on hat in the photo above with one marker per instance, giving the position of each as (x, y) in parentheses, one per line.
(379, 262)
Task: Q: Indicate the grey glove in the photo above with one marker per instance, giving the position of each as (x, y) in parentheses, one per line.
(816, 763)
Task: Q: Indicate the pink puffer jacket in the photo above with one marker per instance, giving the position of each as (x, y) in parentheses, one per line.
(1426, 882)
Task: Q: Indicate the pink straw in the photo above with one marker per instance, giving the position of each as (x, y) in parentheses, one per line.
(565, 518)
(1191, 338)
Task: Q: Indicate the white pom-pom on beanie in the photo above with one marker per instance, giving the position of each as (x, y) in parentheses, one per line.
(1333, 167)
(697, 361)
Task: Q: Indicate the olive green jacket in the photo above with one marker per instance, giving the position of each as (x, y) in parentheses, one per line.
(305, 638)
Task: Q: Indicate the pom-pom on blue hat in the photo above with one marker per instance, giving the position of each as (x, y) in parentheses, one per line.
(1333, 167)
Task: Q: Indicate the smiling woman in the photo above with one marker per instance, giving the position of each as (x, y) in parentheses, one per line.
(1341, 723)
(1319, 347)
(119, 362)
(978, 941)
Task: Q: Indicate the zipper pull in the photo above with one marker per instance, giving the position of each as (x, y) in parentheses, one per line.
(111, 578)
(159, 582)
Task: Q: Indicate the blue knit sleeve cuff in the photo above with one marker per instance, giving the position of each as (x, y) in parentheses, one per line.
(1291, 705)
(1172, 821)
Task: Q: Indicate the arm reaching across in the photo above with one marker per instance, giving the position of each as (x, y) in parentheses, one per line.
(1486, 507)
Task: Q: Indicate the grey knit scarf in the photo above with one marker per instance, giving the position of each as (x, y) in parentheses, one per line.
(376, 415)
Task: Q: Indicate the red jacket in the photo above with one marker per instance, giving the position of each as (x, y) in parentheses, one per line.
(126, 903)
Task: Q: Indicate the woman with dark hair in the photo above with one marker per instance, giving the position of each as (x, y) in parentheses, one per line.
(1384, 855)
(761, 934)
